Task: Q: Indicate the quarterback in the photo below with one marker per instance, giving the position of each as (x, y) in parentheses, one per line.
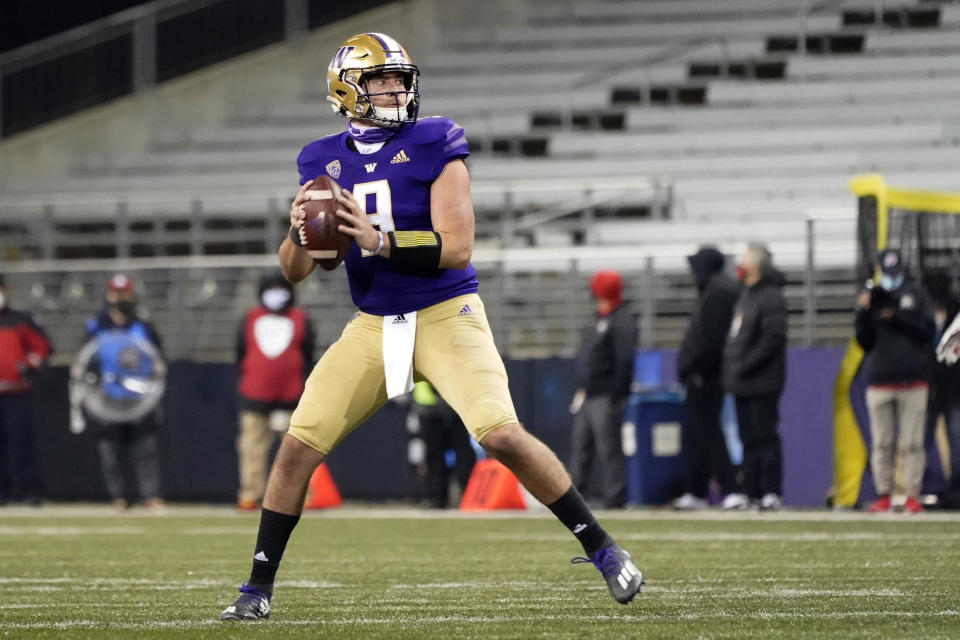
(406, 203)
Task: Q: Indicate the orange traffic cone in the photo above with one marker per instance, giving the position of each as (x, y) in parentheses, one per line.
(491, 486)
(322, 492)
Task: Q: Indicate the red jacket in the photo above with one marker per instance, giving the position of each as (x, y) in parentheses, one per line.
(275, 351)
(23, 348)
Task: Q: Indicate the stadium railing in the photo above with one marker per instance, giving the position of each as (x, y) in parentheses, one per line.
(211, 222)
(537, 298)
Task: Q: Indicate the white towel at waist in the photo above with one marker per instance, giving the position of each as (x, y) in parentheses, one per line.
(399, 335)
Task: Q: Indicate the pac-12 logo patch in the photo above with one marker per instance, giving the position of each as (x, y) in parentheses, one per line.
(333, 168)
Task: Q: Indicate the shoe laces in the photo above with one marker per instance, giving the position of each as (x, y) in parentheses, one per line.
(606, 560)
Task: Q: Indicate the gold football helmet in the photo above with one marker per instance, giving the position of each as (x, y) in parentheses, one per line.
(358, 58)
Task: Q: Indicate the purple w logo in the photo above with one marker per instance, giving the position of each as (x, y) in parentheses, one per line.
(340, 57)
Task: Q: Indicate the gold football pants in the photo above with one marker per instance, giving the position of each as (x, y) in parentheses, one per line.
(454, 351)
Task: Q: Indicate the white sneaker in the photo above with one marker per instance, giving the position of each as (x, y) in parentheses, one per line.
(771, 502)
(736, 502)
(690, 502)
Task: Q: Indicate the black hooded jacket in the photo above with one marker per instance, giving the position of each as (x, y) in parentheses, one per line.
(900, 347)
(701, 352)
(755, 357)
(945, 390)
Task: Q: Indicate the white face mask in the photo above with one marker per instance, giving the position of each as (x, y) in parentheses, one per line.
(275, 299)
(891, 283)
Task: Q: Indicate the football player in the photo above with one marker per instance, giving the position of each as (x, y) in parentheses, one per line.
(406, 203)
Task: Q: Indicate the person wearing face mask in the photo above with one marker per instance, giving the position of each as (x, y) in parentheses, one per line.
(104, 386)
(698, 367)
(754, 372)
(604, 369)
(895, 327)
(275, 345)
(24, 349)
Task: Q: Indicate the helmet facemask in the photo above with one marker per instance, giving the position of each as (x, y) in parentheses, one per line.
(409, 99)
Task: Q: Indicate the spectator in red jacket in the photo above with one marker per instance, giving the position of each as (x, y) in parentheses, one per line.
(24, 348)
(274, 353)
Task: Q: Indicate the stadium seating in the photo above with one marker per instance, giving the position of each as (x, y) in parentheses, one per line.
(825, 105)
(710, 106)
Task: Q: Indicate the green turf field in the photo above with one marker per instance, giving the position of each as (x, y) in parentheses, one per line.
(362, 573)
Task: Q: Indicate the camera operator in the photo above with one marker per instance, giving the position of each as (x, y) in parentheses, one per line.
(895, 327)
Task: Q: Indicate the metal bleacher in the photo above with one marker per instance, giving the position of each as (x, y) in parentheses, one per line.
(602, 132)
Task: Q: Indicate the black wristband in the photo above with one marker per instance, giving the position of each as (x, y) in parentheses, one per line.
(419, 250)
(295, 236)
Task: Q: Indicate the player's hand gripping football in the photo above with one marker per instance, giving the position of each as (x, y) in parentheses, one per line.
(296, 207)
(357, 223)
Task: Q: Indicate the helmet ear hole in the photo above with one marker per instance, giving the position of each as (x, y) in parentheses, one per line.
(341, 93)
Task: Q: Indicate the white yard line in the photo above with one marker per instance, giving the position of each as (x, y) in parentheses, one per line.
(128, 583)
(57, 531)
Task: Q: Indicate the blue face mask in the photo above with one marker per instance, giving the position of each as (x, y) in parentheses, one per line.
(891, 283)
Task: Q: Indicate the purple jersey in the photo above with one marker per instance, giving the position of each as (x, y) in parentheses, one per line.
(393, 187)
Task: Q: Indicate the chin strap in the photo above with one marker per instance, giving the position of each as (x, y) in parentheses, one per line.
(391, 117)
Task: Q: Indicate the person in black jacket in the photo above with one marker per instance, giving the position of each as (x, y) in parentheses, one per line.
(895, 327)
(944, 400)
(604, 371)
(699, 365)
(754, 369)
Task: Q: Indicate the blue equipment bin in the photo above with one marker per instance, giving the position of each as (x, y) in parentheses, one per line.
(653, 447)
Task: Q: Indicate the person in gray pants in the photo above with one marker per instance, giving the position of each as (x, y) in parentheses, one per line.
(604, 372)
(895, 327)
